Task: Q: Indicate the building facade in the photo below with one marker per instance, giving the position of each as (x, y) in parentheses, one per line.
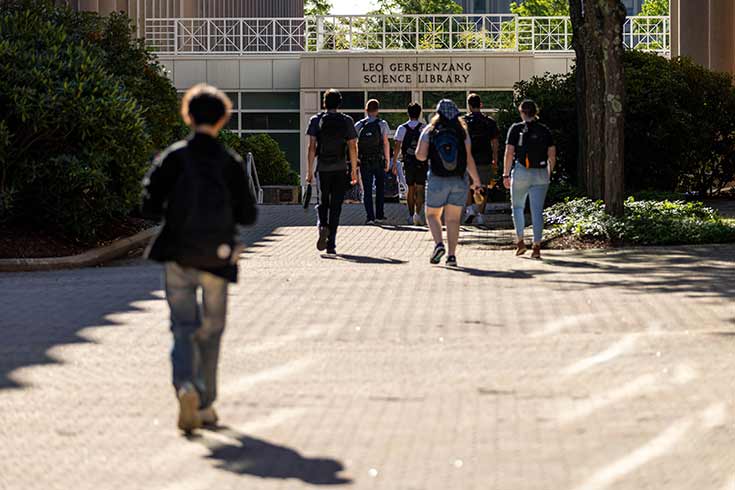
(275, 64)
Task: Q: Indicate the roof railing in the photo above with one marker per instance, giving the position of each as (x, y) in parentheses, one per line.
(387, 33)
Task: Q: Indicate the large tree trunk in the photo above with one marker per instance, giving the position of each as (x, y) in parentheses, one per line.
(612, 45)
(597, 26)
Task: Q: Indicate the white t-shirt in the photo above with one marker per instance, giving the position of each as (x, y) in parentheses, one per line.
(401, 131)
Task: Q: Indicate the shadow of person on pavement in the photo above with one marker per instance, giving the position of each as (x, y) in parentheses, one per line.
(495, 274)
(362, 259)
(246, 455)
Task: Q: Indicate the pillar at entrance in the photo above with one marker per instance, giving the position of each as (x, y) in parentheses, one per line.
(705, 31)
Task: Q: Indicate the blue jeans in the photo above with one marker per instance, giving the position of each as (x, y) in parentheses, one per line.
(370, 174)
(197, 330)
(531, 183)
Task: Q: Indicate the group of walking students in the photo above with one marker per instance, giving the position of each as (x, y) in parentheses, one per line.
(448, 163)
(202, 190)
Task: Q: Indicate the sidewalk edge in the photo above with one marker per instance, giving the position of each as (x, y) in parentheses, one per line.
(96, 256)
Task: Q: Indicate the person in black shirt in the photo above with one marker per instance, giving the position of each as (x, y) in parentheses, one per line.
(331, 136)
(531, 153)
(484, 134)
(203, 191)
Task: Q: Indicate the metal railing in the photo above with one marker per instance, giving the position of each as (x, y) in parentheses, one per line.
(381, 33)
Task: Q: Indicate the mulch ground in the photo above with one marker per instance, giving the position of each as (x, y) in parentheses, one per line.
(25, 241)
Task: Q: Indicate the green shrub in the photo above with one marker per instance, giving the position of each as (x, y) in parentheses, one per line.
(644, 223)
(82, 108)
(270, 160)
(679, 129)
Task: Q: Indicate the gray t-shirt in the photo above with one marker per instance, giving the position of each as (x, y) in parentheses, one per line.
(384, 128)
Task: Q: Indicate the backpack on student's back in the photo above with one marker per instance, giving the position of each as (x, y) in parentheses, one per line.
(331, 143)
(205, 227)
(481, 130)
(411, 141)
(447, 151)
(370, 140)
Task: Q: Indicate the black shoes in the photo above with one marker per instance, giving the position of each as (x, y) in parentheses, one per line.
(451, 261)
(321, 244)
(437, 254)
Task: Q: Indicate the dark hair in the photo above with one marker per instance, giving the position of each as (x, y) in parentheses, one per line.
(414, 110)
(204, 104)
(332, 99)
(474, 101)
(529, 108)
(372, 105)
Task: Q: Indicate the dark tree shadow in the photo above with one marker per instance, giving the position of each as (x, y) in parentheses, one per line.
(362, 259)
(256, 457)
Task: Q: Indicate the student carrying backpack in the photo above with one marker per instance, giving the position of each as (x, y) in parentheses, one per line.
(374, 153)
(203, 191)
(446, 144)
(484, 136)
(406, 144)
(331, 139)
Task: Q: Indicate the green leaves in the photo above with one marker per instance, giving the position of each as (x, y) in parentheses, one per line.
(645, 222)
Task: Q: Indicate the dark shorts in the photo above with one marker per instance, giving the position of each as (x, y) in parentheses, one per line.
(415, 173)
(487, 174)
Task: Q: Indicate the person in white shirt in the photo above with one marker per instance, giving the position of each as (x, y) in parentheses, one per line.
(406, 141)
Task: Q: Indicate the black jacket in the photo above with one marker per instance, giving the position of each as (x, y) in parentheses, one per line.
(161, 179)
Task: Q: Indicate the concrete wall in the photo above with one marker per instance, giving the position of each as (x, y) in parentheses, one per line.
(705, 31)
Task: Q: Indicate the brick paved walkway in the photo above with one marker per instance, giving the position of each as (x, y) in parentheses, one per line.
(587, 371)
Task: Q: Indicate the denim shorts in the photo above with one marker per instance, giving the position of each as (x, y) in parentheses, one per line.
(441, 191)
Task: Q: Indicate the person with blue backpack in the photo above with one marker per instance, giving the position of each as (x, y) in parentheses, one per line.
(373, 153)
(203, 191)
(446, 144)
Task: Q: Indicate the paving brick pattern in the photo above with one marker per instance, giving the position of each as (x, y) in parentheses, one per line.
(374, 370)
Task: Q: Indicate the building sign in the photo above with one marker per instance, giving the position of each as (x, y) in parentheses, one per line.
(417, 73)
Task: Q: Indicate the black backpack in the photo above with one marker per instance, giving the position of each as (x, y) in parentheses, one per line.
(205, 226)
(447, 151)
(370, 140)
(411, 141)
(532, 149)
(481, 129)
(331, 139)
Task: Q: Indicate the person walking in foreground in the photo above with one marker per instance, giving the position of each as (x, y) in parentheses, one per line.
(406, 141)
(203, 191)
(331, 135)
(484, 136)
(373, 151)
(531, 153)
(445, 143)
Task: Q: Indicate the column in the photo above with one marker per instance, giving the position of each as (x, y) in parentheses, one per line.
(704, 31)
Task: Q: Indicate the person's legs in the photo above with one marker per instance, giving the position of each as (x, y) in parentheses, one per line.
(324, 198)
(452, 216)
(380, 193)
(209, 335)
(181, 295)
(338, 189)
(519, 186)
(411, 199)
(434, 219)
(368, 175)
(537, 196)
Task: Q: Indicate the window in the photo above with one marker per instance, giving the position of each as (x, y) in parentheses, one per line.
(267, 100)
(391, 100)
(432, 98)
(350, 100)
(265, 120)
(495, 100)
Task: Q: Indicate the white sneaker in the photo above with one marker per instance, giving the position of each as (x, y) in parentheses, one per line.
(188, 408)
(417, 219)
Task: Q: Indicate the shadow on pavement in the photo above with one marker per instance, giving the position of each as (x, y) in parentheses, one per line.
(362, 259)
(251, 456)
(496, 274)
(695, 270)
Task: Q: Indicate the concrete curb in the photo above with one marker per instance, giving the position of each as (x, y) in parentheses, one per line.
(90, 258)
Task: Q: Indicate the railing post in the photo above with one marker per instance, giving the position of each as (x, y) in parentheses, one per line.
(273, 39)
(518, 32)
(417, 34)
(176, 37)
(351, 33)
(450, 18)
